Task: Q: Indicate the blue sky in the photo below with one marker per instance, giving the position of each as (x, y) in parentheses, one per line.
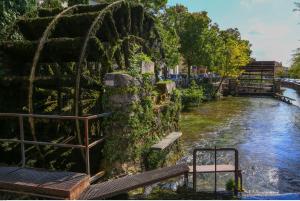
(270, 25)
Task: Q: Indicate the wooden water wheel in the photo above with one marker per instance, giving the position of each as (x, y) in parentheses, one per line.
(59, 67)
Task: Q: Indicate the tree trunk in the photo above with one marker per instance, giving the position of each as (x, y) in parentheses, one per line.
(189, 74)
(220, 84)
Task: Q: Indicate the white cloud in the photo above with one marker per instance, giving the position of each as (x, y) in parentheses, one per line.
(271, 41)
(249, 3)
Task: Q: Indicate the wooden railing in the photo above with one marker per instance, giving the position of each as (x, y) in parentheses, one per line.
(87, 145)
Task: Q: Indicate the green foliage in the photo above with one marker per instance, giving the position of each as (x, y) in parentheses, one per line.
(235, 54)
(9, 12)
(153, 6)
(170, 41)
(139, 125)
(136, 60)
(192, 96)
(194, 26)
(204, 44)
(297, 4)
(52, 4)
(230, 185)
(75, 2)
(294, 71)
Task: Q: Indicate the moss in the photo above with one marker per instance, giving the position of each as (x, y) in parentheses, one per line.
(55, 50)
(49, 12)
(138, 126)
(164, 82)
(188, 194)
(209, 117)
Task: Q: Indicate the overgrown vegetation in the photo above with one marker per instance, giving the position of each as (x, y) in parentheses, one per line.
(294, 71)
(138, 126)
(192, 96)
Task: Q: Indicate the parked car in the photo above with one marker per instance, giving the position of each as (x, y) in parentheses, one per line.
(176, 77)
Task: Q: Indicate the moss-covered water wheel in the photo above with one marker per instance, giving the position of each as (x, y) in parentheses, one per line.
(59, 69)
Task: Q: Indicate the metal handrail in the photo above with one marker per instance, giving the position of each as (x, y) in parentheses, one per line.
(86, 145)
(89, 117)
(215, 150)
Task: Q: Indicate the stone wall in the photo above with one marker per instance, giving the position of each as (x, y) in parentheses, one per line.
(140, 118)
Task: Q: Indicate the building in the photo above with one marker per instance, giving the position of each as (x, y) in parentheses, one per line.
(273, 67)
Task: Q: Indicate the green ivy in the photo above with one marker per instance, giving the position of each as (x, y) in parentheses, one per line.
(134, 129)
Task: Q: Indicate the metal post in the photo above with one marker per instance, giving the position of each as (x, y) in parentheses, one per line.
(215, 170)
(241, 181)
(194, 171)
(87, 151)
(186, 180)
(21, 126)
(236, 173)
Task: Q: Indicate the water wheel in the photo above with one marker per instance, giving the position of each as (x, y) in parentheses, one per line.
(59, 67)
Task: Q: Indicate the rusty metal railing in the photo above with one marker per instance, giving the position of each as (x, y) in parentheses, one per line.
(87, 145)
(215, 150)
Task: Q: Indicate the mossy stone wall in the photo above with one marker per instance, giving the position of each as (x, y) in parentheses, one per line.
(137, 122)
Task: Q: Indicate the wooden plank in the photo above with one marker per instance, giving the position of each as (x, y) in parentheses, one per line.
(211, 168)
(282, 96)
(125, 184)
(167, 141)
(66, 185)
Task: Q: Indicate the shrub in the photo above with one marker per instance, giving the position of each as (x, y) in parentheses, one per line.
(192, 96)
(230, 185)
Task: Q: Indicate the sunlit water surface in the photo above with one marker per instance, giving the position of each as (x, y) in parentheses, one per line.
(264, 130)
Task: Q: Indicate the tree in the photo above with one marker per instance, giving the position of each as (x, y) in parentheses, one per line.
(170, 39)
(9, 12)
(236, 53)
(195, 26)
(201, 43)
(153, 6)
(171, 45)
(297, 6)
(294, 71)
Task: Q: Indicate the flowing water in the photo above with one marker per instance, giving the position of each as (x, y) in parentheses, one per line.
(264, 130)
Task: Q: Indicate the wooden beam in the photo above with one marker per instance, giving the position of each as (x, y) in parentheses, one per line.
(64, 185)
(114, 187)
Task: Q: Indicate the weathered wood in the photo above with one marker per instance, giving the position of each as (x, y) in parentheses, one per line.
(211, 168)
(167, 141)
(56, 50)
(47, 12)
(125, 184)
(76, 25)
(284, 97)
(65, 185)
(48, 82)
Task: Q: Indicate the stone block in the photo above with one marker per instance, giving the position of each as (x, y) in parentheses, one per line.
(147, 67)
(166, 87)
(119, 80)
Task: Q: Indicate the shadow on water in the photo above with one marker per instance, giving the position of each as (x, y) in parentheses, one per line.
(264, 130)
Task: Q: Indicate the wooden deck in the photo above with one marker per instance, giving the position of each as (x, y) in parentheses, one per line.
(125, 184)
(211, 168)
(167, 141)
(38, 182)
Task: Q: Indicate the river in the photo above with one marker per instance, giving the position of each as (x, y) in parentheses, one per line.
(264, 130)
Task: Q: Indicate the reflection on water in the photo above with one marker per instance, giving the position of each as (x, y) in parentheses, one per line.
(264, 130)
